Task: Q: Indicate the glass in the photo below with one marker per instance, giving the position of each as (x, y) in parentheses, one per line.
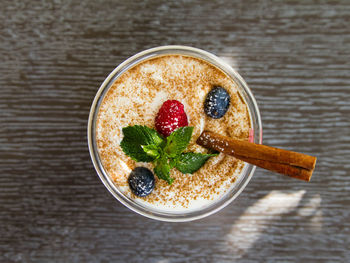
(245, 92)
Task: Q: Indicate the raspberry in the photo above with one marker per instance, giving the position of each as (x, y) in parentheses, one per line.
(170, 117)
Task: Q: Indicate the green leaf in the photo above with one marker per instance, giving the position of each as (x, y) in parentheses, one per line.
(151, 150)
(162, 170)
(189, 163)
(135, 137)
(177, 141)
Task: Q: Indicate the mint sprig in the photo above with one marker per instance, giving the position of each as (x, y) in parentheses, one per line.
(144, 144)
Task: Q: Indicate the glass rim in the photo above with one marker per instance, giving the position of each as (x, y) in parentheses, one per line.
(246, 174)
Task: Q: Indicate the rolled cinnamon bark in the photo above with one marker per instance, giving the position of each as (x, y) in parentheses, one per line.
(297, 165)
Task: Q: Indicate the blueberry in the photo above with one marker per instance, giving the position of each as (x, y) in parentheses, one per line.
(217, 102)
(141, 181)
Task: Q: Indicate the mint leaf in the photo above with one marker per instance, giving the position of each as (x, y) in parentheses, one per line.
(162, 170)
(151, 150)
(189, 163)
(135, 137)
(177, 141)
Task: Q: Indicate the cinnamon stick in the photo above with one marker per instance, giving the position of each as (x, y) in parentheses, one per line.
(297, 165)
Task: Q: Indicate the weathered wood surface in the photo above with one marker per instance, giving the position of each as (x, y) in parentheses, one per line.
(295, 55)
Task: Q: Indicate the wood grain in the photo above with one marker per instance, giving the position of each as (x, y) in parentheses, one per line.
(54, 55)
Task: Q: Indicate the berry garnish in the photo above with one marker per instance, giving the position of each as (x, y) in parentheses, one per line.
(141, 181)
(170, 117)
(217, 102)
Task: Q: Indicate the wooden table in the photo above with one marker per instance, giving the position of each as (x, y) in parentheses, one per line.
(295, 56)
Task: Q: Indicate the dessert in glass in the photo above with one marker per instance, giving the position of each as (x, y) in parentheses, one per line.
(143, 127)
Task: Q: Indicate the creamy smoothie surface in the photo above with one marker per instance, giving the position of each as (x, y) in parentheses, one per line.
(135, 98)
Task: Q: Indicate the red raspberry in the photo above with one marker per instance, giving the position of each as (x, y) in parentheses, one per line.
(170, 117)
